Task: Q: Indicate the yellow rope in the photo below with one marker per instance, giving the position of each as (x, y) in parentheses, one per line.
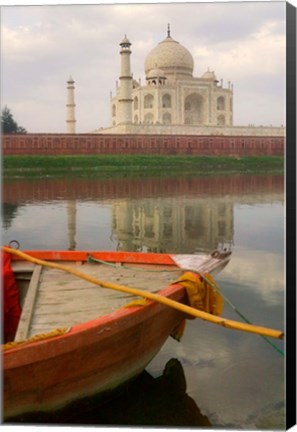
(135, 303)
(235, 325)
(36, 338)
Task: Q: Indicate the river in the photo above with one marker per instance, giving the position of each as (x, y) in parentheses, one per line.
(217, 378)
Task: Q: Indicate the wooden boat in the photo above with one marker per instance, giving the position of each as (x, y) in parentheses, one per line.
(74, 338)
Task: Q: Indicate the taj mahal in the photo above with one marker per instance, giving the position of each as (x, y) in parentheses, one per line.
(171, 95)
(172, 100)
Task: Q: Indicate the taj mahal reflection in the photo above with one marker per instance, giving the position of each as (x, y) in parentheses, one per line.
(180, 215)
(166, 225)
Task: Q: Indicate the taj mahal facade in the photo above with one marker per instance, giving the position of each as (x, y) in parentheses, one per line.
(171, 101)
(171, 95)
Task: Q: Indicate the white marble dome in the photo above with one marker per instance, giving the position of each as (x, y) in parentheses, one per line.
(171, 57)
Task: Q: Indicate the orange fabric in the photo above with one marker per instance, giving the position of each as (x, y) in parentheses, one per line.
(11, 303)
(203, 292)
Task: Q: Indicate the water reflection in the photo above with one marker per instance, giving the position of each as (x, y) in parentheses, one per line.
(184, 215)
(235, 378)
(24, 191)
(172, 225)
(71, 222)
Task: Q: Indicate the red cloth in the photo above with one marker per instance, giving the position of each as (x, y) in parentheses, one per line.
(11, 303)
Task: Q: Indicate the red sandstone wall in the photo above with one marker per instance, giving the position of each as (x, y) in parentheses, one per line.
(65, 144)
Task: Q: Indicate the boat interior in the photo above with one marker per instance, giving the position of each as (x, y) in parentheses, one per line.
(52, 298)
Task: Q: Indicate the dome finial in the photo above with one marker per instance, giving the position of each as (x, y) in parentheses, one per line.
(168, 30)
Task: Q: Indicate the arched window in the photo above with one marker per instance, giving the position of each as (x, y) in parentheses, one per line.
(167, 118)
(221, 103)
(135, 103)
(148, 118)
(221, 120)
(148, 101)
(136, 119)
(114, 110)
(193, 109)
(166, 101)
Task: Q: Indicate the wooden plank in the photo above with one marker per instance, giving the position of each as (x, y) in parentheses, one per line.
(25, 320)
(64, 300)
(22, 267)
(53, 281)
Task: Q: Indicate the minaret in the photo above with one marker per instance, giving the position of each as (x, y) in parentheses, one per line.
(70, 120)
(71, 219)
(125, 91)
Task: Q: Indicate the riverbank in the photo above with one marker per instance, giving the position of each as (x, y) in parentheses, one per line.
(136, 165)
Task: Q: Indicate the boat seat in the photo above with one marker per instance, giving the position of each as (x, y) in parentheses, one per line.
(27, 311)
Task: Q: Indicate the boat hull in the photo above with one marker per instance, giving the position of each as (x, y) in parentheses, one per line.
(92, 358)
(96, 355)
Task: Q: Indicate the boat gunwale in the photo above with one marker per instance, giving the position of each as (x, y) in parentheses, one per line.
(109, 256)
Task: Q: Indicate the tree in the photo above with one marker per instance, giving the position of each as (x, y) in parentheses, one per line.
(8, 124)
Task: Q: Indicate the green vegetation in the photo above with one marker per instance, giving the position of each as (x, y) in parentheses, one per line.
(8, 124)
(136, 165)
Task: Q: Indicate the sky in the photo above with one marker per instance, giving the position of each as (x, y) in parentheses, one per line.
(42, 45)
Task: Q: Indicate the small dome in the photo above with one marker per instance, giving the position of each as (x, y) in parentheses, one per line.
(171, 57)
(135, 84)
(210, 75)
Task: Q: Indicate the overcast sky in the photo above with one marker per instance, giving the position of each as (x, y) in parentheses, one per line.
(42, 45)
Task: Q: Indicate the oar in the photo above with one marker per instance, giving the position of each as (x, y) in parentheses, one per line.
(235, 325)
